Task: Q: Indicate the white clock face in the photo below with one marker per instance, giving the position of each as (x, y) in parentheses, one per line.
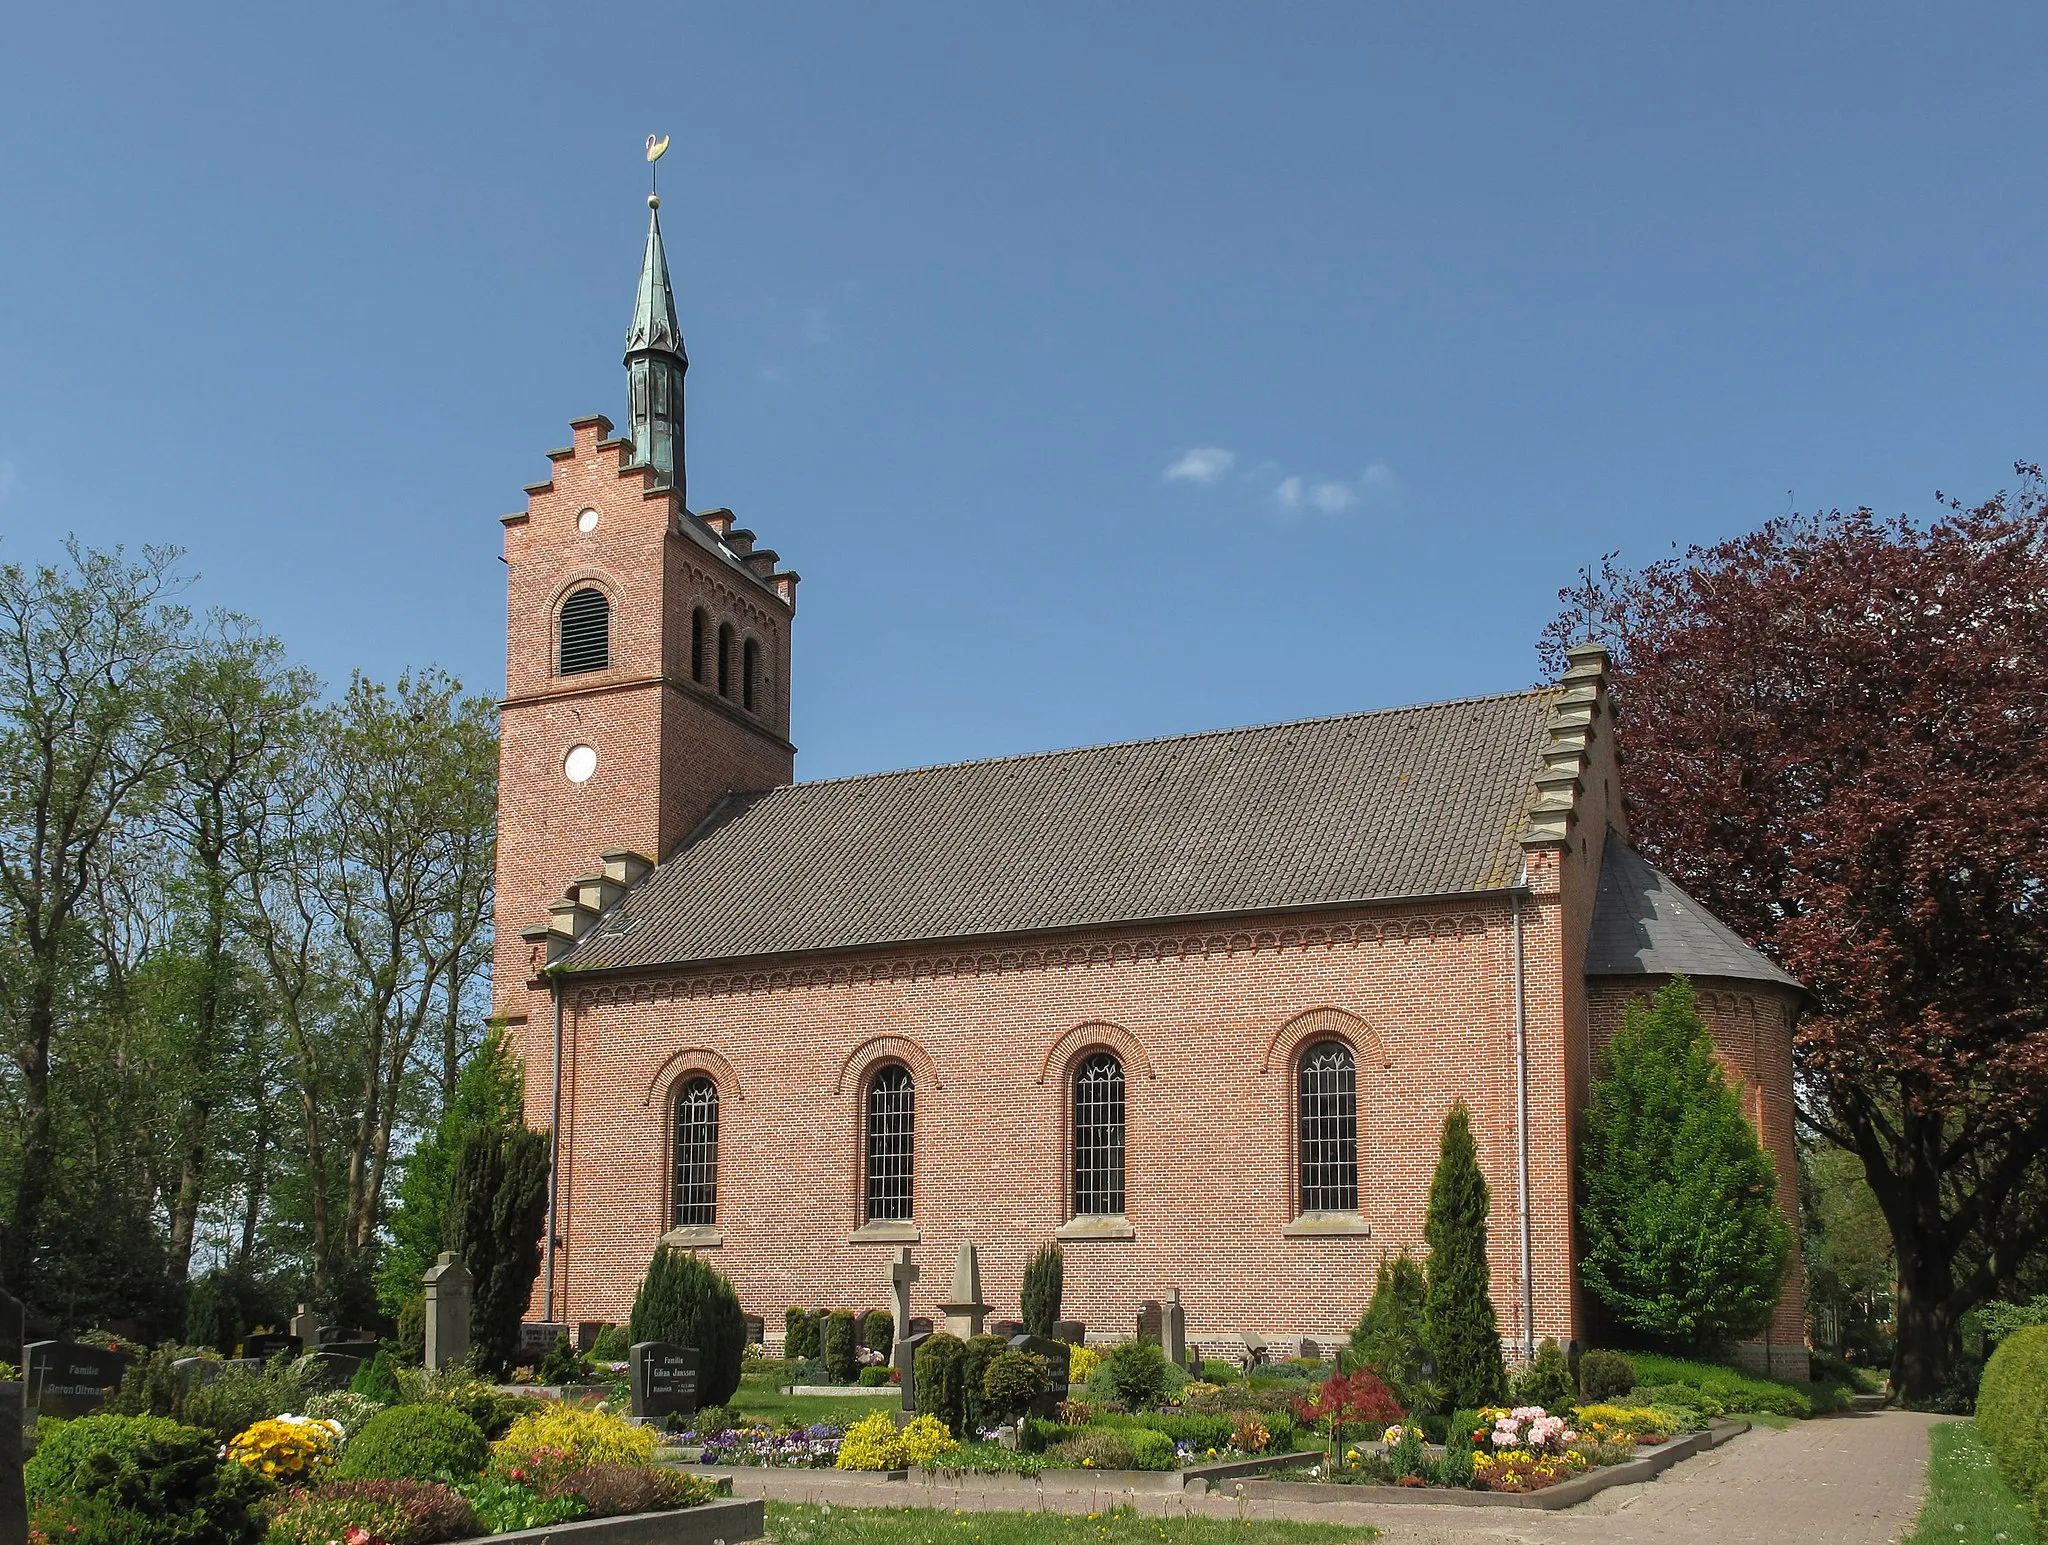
(579, 764)
(587, 521)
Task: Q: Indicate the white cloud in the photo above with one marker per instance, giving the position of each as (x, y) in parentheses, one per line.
(1203, 465)
(1288, 493)
(1295, 493)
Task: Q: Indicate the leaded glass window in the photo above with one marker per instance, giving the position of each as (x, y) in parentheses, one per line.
(1329, 1129)
(1099, 1136)
(750, 668)
(891, 1143)
(586, 643)
(696, 1155)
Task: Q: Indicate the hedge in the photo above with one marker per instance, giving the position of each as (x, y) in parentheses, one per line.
(2012, 1409)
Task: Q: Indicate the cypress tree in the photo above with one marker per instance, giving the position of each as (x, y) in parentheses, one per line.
(1683, 1239)
(1390, 1338)
(1457, 1312)
(1044, 1283)
(686, 1303)
(497, 1211)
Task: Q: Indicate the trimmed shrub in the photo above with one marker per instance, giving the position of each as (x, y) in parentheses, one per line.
(496, 1213)
(938, 1379)
(1099, 1448)
(978, 1353)
(1151, 1449)
(1605, 1375)
(1547, 1381)
(378, 1378)
(1044, 1284)
(593, 1437)
(874, 1376)
(1678, 1201)
(841, 1359)
(161, 1482)
(1136, 1373)
(1458, 1318)
(799, 1332)
(2012, 1408)
(611, 1346)
(1010, 1382)
(878, 1331)
(415, 1443)
(686, 1302)
(493, 1410)
(1081, 1365)
(399, 1512)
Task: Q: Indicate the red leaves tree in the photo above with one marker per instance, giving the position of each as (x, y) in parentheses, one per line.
(1348, 1400)
(1835, 734)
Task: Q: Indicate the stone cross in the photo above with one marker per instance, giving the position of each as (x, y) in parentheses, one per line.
(1151, 1322)
(447, 1284)
(1174, 1325)
(306, 1326)
(966, 1313)
(901, 1274)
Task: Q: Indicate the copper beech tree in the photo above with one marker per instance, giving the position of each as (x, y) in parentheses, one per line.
(1835, 735)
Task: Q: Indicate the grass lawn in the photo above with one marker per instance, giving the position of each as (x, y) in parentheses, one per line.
(1968, 1502)
(789, 1524)
(760, 1394)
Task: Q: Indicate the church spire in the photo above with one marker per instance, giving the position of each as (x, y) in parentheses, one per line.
(655, 360)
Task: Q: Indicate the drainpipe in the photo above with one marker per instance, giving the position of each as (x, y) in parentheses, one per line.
(1521, 1129)
(555, 1151)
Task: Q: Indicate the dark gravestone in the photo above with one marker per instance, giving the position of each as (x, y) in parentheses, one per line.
(331, 1335)
(1151, 1322)
(66, 1378)
(1006, 1328)
(269, 1344)
(1071, 1331)
(756, 1328)
(1057, 1357)
(537, 1338)
(920, 1326)
(362, 1351)
(332, 1369)
(903, 1358)
(587, 1332)
(664, 1380)
(1311, 1351)
(13, 1495)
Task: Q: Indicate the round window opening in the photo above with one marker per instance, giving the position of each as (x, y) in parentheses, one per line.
(579, 764)
(587, 521)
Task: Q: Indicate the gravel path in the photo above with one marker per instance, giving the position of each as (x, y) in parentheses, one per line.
(1842, 1480)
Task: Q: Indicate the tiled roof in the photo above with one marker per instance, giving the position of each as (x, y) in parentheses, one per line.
(1644, 925)
(1375, 806)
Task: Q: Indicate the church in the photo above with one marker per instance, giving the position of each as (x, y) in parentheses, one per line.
(1192, 1008)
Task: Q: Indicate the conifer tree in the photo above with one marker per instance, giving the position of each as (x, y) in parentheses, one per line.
(686, 1303)
(1390, 1337)
(1457, 1314)
(1678, 1214)
(1044, 1285)
(497, 1212)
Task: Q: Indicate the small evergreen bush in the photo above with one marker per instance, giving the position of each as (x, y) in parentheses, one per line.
(1547, 1381)
(1390, 1337)
(841, 1359)
(1010, 1382)
(493, 1410)
(975, 1357)
(378, 1378)
(687, 1303)
(1151, 1450)
(1044, 1284)
(611, 1345)
(1605, 1376)
(939, 1388)
(161, 1481)
(2012, 1408)
(1458, 1316)
(878, 1331)
(1136, 1373)
(796, 1335)
(415, 1443)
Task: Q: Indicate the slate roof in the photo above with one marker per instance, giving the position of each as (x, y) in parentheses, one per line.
(1404, 802)
(1644, 925)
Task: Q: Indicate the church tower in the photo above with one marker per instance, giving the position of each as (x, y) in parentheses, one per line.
(646, 671)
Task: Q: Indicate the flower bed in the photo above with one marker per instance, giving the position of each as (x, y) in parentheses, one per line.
(815, 1447)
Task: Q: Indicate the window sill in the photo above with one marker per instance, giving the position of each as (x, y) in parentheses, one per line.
(1327, 1225)
(887, 1231)
(1099, 1226)
(697, 1237)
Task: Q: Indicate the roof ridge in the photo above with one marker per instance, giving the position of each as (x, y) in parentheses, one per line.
(1160, 740)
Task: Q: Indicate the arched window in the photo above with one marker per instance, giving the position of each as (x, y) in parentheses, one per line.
(695, 1181)
(1099, 1136)
(697, 645)
(1329, 1128)
(586, 633)
(891, 1143)
(725, 659)
(750, 669)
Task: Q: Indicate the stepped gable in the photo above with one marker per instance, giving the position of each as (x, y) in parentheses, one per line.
(1644, 925)
(1401, 803)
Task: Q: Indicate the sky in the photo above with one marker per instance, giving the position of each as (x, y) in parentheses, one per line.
(1106, 371)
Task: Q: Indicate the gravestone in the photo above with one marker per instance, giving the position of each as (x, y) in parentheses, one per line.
(306, 1326)
(1311, 1350)
(447, 1292)
(67, 1378)
(587, 1332)
(664, 1380)
(756, 1328)
(193, 1372)
(904, 1356)
(332, 1368)
(902, 1348)
(966, 1312)
(1254, 1349)
(1151, 1323)
(330, 1334)
(1006, 1328)
(13, 1495)
(537, 1338)
(361, 1349)
(267, 1344)
(1058, 1359)
(1070, 1331)
(921, 1325)
(1174, 1329)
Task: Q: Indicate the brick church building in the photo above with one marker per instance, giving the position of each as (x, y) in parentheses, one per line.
(1195, 1008)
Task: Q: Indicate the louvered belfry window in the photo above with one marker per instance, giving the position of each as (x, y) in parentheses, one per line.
(1329, 1129)
(891, 1143)
(586, 633)
(724, 660)
(697, 646)
(696, 1157)
(1099, 1136)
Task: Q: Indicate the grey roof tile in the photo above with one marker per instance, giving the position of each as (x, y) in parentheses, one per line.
(1374, 806)
(1644, 925)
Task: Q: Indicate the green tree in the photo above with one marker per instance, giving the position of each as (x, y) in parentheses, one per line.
(1044, 1284)
(497, 1214)
(1458, 1316)
(686, 1303)
(1391, 1336)
(1679, 1224)
(489, 1098)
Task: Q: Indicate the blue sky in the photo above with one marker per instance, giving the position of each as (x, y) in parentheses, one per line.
(1107, 371)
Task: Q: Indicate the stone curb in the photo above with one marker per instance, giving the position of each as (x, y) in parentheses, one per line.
(741, 1519)
(845, 1391)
